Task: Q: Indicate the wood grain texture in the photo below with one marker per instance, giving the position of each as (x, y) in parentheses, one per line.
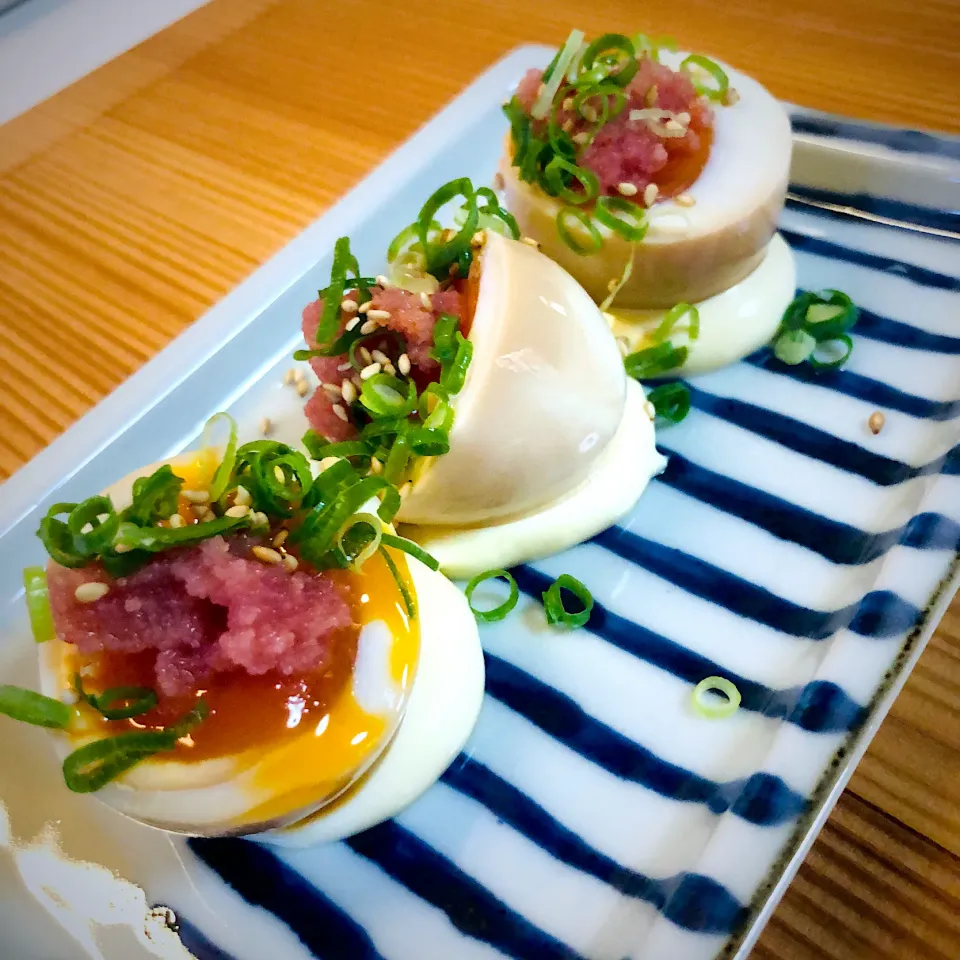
(136, 198)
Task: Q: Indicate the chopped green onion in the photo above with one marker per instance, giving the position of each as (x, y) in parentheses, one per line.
(695, 65)
(673, 316)
(838, 361)
(155, 497)
(605, 92)
(395, 466)
(359, 539)
(320, 449)
(627, 219)
(429, 441)
(557, 173)
(708, 704)
(439, 256)
(408, 600)
(493, 614)
(650, 46)
(671, 401)
(654, 361)
(95, 764)
(409, 547)
(609, 51)
(38, 604)
(556, 612)
(343, 260)
(221, 476)
(383, 395)
(551, 84)
(118, 703)
(35, 708)
(453, 376)
(99, 536)
(191, 719)
(56, 538)
(583, 221)
(408, 237)
(494, 217)
(794, 346)
(444, 338)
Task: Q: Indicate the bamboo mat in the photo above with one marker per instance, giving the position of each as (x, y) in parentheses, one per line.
(133, 200)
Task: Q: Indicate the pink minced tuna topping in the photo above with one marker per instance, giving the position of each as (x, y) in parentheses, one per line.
(629, 151)
(205, 610)
(409, 317)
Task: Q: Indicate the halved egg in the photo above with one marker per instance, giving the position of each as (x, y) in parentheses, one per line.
(276, 745)
(699, 244)
(543, 410)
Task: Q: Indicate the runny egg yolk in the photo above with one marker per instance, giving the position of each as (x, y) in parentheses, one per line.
(305, 736)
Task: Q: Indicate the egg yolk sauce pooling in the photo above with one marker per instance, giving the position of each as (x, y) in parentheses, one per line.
(660, 176)
(230, 641)
(478, 376)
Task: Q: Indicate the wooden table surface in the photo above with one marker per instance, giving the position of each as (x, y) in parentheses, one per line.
(132, 201)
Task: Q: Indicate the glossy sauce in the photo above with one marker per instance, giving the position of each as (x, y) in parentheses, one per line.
(683, 169)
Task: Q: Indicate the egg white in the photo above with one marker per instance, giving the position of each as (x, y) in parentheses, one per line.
(733, 324)
(610, 490)
(543, 396)
(213, 797)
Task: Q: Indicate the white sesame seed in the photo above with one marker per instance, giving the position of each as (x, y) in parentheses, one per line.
(627, 189)
(242, 497)
(352, 323)
(327, 462)
(348, 391)
(589, 113)
(530, 242)
(403, 364)
(203, 512)
(237, 510)
(291, 562)
(876, 422)
(378, 314)
(298, 375)
(650, 192)
(568, 103)
(478, 239)
(348, 306)
(280, 538)
(581, 138)
(683, 118)
(651, 98)
(731, 97)
(340, 412)
(259, 519)
(365, 355)
(426, 301)
(266, 554)
(382, 281)
(91, 592)
(390, 368)
(303, 388)
(650, 410)
(331, 390)
(364, 307)
(175, 521)
(379, 356)
(369, 326)
(375, 466)
(684, 200)
(122, 548)
(265, 426)
(288, 377)
(567, 125)
(196, 496)
(344, 367)
(673, 126)
(371, 370)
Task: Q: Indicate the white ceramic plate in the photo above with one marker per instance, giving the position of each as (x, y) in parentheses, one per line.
(593, 814)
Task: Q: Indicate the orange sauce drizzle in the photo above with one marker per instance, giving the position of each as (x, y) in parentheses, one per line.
(683, 169)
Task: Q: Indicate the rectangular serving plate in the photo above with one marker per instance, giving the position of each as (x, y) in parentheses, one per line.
(721, 555)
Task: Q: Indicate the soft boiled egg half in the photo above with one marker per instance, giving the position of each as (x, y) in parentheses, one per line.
(277, 748)
(714, 246)
(549, 446)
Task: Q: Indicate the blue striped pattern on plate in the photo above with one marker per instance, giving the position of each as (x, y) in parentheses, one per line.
(593, 813)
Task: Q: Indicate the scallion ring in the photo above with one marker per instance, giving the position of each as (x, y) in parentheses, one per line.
(30, 707)
(569, 219)
(708, 704)
(56, 538)
(611, 102)
(559, 170)
(454, 375)
(383, 395)
(38, 604)
(615, 50)
(556, 613)
(429, 441)
(794, 346)
(671, 401)
(838, 361)
(412, 549)
(96, 764)
(673, 316)
(440, 255)
(499, 612)
(359, 539)
(93, 525)
(623, 217)
(221, 476)
(694, 64)
(122, 703)
(654, 361)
